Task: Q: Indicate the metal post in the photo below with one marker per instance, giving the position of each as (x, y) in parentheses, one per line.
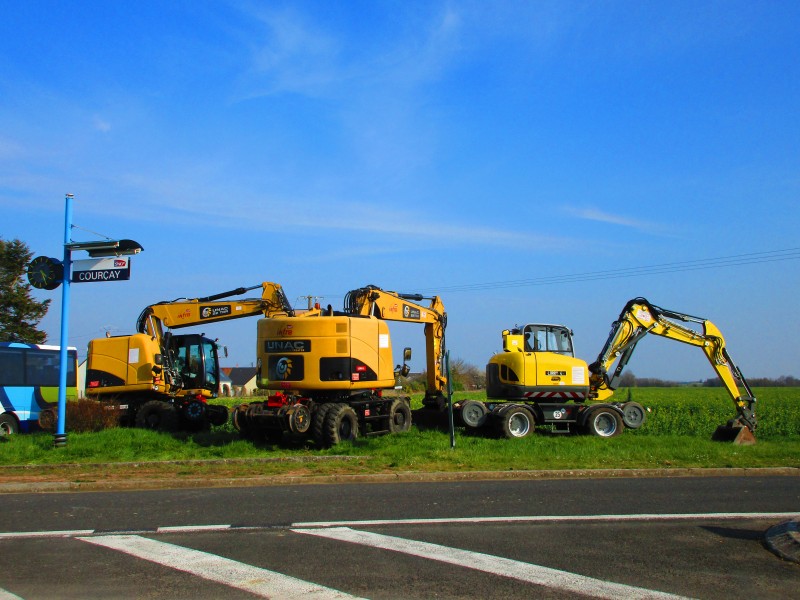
(60, 437)
(450, 400)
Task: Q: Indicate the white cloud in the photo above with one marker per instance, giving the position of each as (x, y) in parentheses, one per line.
(594, 214)
(101, 124)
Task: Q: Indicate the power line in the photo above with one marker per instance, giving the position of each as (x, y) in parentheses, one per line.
(657, 269)
(642, 271)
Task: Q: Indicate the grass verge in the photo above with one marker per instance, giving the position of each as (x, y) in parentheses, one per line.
(676, 435)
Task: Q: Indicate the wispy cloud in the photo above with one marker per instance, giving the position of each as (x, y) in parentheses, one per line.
(620, 220)
(101, 124)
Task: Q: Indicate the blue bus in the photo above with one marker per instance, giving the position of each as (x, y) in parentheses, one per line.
(29, 383)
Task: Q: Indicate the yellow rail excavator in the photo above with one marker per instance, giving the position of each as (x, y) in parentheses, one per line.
(325, 376)
(537, 380)
(162, 380)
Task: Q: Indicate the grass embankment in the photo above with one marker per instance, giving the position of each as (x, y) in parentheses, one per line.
(677, 434)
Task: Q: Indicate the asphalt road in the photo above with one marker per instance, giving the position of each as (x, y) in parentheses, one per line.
(457, 540)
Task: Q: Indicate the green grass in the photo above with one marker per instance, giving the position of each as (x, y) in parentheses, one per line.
(677, 434)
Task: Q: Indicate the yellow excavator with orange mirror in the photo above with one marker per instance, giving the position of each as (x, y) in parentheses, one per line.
(326, 376)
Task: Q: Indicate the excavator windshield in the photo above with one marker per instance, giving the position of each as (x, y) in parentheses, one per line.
(548, 338)
(196, 362)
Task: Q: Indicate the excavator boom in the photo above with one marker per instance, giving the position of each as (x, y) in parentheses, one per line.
(639, 318)
(185, 312)
(394, 306)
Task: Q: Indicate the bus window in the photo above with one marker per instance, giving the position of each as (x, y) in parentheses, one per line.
(29, 380)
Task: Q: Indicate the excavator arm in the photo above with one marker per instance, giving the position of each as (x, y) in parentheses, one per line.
(640, 318)
(393, 306)
(185, 312)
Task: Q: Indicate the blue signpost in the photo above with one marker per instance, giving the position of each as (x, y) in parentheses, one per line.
(104, 248)
(60, 438)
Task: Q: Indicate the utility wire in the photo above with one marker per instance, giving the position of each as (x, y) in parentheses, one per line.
(761, 257)
(673, 267)
(657, 269)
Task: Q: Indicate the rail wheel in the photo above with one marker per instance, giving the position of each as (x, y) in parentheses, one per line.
(474, 414)
(633, 415)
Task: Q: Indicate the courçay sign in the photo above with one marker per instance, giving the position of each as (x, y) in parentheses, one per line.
(116, 268)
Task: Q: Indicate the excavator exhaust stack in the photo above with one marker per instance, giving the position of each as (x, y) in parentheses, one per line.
(736, 433)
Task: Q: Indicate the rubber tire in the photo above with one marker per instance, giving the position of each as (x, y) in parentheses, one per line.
(516, 422)
(474, 414)
(48, 419)
(633, 415)
(604, 422)
(399, 416)
(318, 422)
(8, 425)
(156, 416)
(341, 424)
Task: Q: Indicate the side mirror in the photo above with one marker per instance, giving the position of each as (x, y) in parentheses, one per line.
(406, 354)
(159, 359)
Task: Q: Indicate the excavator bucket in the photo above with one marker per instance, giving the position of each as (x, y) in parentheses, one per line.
(738, 434)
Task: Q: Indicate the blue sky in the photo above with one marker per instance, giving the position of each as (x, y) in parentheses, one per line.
(469, 149)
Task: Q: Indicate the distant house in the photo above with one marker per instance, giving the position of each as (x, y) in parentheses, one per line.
(225, 384)
(243, 380)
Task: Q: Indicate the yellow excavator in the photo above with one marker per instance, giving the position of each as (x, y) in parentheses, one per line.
(162, 380)
(326, 376)
(538, 380)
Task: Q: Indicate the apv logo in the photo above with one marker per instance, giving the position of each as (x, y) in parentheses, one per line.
(283, 368)
(185, 314)
(286, 330)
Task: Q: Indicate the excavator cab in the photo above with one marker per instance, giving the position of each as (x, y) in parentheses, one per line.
(195, 361)
(538, 361)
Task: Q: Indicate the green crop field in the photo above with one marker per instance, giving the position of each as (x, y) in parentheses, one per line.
(677, 433)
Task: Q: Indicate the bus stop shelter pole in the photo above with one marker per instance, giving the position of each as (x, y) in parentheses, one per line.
(60, 437)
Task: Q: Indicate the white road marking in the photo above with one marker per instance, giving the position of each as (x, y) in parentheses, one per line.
(440, 521)
(262, 582)
(6, 595)
(549, 519)
(497, 565)
(191, 528)
(45, 534)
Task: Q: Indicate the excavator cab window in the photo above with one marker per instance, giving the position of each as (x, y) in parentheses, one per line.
(196, 362)
(548, 338)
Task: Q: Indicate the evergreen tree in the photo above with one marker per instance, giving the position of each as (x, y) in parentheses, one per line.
(19, 312)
